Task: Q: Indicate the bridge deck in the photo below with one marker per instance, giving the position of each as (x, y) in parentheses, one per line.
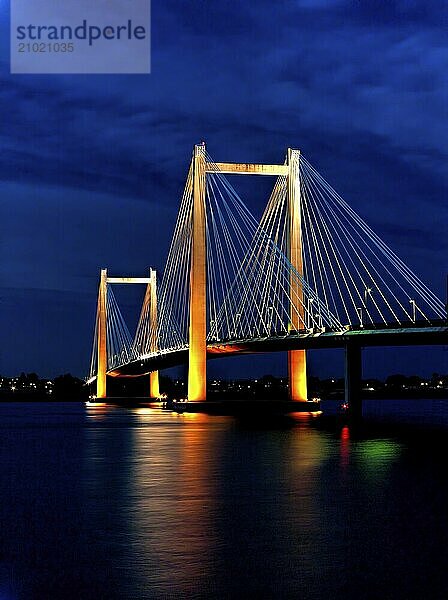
(407, 336)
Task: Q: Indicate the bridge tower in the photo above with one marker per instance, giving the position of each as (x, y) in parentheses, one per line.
(197, 368)
(150, 307)
(296, 358)
(154, 390)
(353, 376)
(197, 371)
(102, 336)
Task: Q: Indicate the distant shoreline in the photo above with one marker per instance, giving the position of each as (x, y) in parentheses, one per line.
(19, 397)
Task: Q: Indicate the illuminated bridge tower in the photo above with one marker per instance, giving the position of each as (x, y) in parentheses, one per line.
(149, 308)
(102, 336)
(296, 358)
(151, 292)
(197, 368)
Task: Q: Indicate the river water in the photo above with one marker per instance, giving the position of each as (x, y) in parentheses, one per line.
(126, 503)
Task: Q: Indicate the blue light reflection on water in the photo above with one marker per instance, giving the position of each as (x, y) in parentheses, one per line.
(110, 502)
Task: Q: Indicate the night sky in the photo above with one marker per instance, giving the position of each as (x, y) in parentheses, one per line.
(92, 167)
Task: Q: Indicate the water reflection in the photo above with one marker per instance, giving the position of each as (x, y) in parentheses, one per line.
(345, 447)
(109, 452)
(137, 503)
(203, 497)
(375, 457)
(174, 489)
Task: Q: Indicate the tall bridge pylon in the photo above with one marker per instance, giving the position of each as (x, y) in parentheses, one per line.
(296, 358)
(102, 336)
(197, 355)
(197, 374)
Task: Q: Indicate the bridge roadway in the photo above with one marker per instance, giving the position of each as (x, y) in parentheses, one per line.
(414, 335)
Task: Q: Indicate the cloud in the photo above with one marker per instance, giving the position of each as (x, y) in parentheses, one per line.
(59, 238)
(93, 167)
(271, 68)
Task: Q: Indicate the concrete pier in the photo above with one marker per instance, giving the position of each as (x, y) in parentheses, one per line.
(353, 375)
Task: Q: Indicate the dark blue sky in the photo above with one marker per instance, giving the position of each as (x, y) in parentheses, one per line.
(92, 167)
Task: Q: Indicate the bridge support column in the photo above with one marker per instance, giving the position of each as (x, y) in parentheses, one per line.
(102, 337)
(353, 376)
(197, 366)
(154, 390)
(296, 358)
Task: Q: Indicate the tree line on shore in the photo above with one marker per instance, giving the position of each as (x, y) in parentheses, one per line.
(29, 386)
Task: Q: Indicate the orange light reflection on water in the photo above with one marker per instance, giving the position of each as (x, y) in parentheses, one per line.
(96, 411)
(305, 416)
(145, 411)
(174, 490)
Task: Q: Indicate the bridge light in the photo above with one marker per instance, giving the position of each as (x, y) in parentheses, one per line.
(270, 314)
(318, 317)
(310, 311)
(414, 309)
(359, 311)
(367, 293)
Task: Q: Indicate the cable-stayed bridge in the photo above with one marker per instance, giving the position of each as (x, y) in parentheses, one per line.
(309, 274)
